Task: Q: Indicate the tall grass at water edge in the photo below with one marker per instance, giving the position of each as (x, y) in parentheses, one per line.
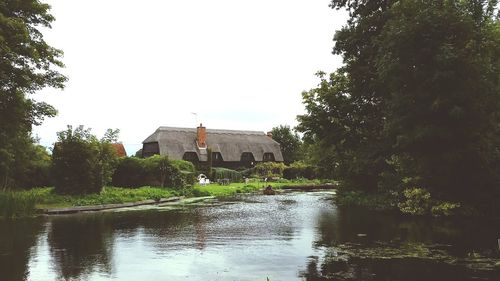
(16, 204)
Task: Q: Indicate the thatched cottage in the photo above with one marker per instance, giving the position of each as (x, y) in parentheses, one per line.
(229, 148)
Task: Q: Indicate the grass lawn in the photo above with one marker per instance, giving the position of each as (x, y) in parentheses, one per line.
(46, 197)
(234, 188)
(17, 203)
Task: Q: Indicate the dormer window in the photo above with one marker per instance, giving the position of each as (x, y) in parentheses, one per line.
(268, 157)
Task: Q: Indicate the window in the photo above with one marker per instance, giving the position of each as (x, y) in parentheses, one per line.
(190, 156)
(247, 158)
(217, 157)
(268, 156)
(150, 149)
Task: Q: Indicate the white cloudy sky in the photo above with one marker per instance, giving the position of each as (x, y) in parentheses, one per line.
(137, 65)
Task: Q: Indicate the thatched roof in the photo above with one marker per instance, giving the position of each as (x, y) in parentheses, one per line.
(174, 142)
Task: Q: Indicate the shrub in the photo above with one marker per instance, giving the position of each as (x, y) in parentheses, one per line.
(31, 169)
(81, 164)
(163, 173)
(269, 169)
(223, 173)
(154, 171)
(183, 165)
(189, 178)
(418, 201)
(375, 201)
(299, 170)
(247, 172)
(130, 172)
(445, 209)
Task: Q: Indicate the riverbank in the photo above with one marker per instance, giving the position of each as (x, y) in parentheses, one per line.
(45, 200)
(411, 202)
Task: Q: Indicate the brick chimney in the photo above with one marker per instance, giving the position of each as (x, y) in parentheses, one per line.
(270, 134)
(201, 136)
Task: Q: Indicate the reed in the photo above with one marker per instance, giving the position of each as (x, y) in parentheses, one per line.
(16, 204)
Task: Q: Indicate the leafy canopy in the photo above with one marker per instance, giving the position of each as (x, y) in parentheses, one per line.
(27, 64)
(289, 141)
(416, 102)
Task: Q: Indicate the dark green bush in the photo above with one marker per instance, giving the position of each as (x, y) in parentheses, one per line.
(81, 164)
(36, 172)
(299, 170)
(269, 169)
(130, 172)
(153, 171)
(183, 165)
(161, 172)
(247, 172)
(223, 173)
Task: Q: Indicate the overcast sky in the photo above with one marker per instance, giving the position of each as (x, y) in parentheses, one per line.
(138, 65)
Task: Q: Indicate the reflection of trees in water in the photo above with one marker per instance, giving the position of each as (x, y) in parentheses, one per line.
(345, 224)
(404, 238)
(162, 229)
(16, 241)
(83, 244)
(80, 245)
(408, 269)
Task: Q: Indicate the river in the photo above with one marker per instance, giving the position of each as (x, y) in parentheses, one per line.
(291, 236)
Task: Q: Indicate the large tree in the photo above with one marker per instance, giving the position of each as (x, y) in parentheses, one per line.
(27, 64)
(417, 100)
(289, 141)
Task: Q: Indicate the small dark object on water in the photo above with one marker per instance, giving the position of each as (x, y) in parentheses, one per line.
(269, 190)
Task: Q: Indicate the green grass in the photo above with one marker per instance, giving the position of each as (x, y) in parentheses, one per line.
(235, 188)
(25, 203)
(16, 204)
(46, 197)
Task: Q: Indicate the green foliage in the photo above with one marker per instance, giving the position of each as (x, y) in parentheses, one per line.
(342, 133)
(183, 165)
(290, 143)
(32, 167)
(269, 169)
(417, 201)
(155, 170)
(228, 190)
(48, 198)
(444, 110)
(223, 173)
(113, 195)
(299, 169)
(111, 136)
(129, 172)
(15, 204)
(247, 173)
(369, 200)
(27, 65)
(209, 161)
(445, 209)
(416, 103)
(81, 164)
(188, 178)
(160, 169)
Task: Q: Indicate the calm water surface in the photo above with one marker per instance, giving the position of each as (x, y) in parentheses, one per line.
(292, 236)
